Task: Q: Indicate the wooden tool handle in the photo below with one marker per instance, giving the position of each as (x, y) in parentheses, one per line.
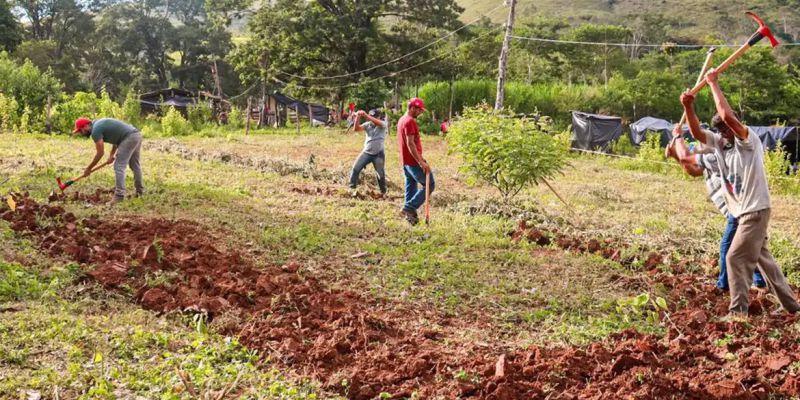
(700, 78)
(722, 67)
(427, 198)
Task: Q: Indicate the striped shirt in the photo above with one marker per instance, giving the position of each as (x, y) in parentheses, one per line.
(714, 182)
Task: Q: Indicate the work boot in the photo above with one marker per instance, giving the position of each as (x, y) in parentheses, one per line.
(411, 216)
(116, 200)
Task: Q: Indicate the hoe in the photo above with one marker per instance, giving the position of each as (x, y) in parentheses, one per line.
(70, 182)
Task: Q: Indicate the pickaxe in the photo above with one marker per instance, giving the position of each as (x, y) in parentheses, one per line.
(762, 32)
(70, 182)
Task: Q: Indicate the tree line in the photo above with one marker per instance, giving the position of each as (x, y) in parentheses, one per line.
(375, 51)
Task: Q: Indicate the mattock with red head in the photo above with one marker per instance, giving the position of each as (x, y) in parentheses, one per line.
(63, 185)
(762, 32)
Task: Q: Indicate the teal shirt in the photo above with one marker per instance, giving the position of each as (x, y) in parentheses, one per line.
(111, 130)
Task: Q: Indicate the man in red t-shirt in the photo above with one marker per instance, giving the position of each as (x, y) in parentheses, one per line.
(414, 165)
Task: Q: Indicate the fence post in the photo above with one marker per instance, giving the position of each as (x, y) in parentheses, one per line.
(247, 117)
(48, 123)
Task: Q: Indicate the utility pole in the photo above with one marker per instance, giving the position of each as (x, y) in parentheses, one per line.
(501, 75)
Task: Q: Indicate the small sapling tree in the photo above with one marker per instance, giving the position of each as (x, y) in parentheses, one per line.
(506, 152)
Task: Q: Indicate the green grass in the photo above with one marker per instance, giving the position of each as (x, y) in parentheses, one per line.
(91, 348)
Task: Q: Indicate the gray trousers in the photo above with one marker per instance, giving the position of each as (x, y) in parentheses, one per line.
(128, 155)
(748, 251)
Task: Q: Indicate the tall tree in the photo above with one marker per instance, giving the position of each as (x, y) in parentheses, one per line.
(10, 30)
(340, 37)
(58, 33)
(597, 63)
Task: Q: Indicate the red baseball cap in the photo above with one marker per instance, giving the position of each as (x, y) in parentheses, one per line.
(80, 123)
(417, 102)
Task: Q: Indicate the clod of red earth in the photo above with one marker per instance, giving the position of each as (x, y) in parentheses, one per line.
(100, 196)
(338, 336)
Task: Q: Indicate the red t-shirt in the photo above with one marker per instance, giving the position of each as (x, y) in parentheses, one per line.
(407, 126)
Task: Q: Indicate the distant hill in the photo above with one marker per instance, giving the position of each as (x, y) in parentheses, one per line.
(691, 18)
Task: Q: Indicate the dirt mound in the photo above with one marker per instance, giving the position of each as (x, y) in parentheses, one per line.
(361, 348)
(100, 196)
(334, 336)
(335, 192)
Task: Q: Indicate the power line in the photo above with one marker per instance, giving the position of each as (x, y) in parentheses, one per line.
(693, 46)
(451, 33)
(487, 33)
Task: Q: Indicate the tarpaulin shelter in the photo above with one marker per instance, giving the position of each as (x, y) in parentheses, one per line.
(318, 112)
(153, 102)
(787, 135)
(591, 131)
(640, 128)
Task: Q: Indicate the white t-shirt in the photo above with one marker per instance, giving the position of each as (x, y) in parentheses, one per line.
(743, 172)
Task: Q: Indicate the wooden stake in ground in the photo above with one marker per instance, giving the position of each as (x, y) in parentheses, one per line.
(297, 116)
(428, 198)
(501, 74)
(247, 117)
(48, 126)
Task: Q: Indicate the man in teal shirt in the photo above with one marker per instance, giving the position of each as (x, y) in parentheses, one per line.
(126, 144)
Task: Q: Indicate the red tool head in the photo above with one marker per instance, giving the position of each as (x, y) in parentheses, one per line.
(61, 185)
(763, 29)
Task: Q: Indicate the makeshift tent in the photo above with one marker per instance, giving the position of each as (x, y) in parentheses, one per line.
(590, 131)
(640, 128)
(151, 103)
(319, 112)
(772, 135)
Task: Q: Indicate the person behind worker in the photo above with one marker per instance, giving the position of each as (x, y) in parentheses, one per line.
(374, 129)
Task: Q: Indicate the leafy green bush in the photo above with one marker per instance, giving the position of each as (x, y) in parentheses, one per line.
(107, 107)
(236, 118)
(80, 104)
(27, 124)
(198, 115)
(8, 113)
(503, 151)
(131, 109)
(173, 123)
(651, 154)
(777, 166)
(27, 84)
(624, 146)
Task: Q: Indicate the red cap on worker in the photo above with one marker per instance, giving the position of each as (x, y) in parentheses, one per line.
(417, 102)
(80, 123)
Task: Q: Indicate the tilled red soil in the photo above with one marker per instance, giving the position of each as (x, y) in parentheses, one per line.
(360, 347)
(100, 196)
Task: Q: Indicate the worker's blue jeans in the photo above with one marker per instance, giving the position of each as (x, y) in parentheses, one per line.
(415, 197)
(724, 245)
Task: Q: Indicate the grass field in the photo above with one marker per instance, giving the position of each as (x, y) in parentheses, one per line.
(279, 198)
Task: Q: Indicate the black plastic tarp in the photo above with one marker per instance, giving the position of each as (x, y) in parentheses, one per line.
(180, 99)
(640, 128)
(591, 131)
(771, 135)
(318, 111)
(788, 136)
